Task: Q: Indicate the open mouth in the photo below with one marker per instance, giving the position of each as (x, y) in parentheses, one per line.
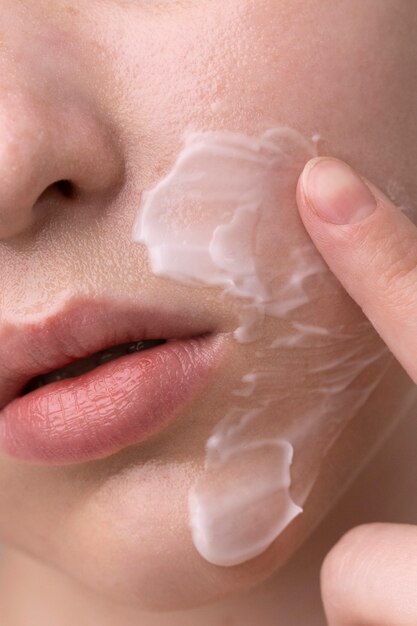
(76, 387)
(87, 364)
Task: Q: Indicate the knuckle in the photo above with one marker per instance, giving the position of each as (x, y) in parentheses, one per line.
(389, 264)
(397, 278)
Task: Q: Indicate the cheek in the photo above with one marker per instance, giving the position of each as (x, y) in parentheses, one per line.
(245, 64)
(225, 216)
(312, 361)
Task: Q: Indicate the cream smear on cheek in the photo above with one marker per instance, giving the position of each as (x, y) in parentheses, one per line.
(225, 216)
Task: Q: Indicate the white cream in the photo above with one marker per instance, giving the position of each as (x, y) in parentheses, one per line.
(218, 218)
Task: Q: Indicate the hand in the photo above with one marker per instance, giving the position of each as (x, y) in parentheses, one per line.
(370, 577)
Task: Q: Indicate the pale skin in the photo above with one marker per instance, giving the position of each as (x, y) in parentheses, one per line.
(99, 94)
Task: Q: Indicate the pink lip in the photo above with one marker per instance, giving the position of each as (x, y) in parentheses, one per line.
(113, 406)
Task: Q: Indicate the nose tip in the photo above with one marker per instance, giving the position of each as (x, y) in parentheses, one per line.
(43, 147)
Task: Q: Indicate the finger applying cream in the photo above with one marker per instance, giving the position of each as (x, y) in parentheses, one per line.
(370, 245)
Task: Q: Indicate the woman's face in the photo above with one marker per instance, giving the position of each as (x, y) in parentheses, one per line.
(101, 94)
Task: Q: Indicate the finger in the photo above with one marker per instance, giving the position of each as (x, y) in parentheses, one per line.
(369, 578)
(370, 245)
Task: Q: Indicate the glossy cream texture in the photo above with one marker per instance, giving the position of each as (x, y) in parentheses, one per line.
(222, 216)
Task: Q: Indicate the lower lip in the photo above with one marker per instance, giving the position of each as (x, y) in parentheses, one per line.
(115, 405)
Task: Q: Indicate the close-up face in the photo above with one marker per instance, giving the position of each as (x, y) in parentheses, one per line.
(149, 158)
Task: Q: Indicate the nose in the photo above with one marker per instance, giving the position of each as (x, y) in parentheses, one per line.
(53, 150)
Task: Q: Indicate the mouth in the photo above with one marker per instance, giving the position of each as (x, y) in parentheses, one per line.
(97, 378)
(87, 364)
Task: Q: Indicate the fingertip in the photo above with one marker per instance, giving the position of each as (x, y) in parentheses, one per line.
(334, 193)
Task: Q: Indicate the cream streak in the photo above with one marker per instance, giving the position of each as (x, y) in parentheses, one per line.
(222, 216)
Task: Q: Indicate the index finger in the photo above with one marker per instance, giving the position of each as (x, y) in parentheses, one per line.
(370, 245)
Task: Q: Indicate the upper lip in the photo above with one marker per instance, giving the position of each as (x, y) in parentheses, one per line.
(80, 329)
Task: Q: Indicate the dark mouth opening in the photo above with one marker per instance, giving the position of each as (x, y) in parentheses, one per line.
(82, 366)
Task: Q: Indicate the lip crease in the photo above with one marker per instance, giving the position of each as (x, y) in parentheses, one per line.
(117, 404)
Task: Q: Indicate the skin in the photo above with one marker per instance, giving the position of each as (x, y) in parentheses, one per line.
(113, 127)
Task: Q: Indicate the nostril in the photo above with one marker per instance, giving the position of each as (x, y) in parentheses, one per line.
(66, 188)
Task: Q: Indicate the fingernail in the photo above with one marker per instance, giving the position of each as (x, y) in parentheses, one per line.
(336, 193)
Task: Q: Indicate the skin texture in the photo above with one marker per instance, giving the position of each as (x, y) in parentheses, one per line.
(112, 85)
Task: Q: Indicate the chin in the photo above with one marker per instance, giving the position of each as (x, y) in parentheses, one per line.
(130, 543)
